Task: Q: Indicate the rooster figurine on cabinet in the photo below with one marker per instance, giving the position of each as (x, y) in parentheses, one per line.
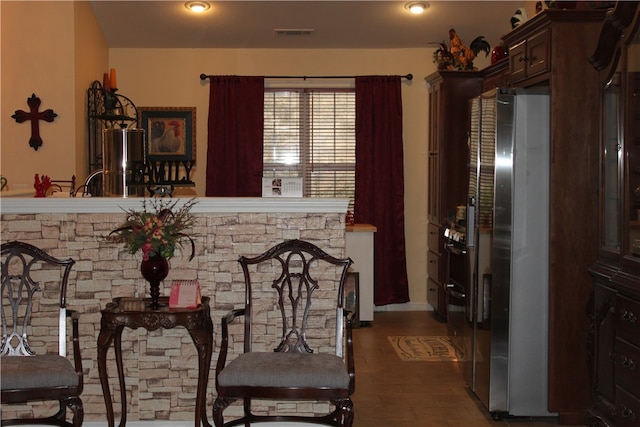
(464, 54)
(457, 56)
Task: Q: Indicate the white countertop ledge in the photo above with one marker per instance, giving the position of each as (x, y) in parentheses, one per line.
(25, 205)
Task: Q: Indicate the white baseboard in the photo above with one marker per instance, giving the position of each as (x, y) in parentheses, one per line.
(409, 306)
(165, 423)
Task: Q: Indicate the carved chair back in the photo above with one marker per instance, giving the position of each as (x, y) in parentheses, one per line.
(294, 271)
(26, 271)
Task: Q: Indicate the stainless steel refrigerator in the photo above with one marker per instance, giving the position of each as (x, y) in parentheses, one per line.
(506, 315)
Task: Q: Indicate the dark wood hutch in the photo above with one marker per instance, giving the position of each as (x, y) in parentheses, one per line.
(614, 341)
(449, 92)
(551, 50)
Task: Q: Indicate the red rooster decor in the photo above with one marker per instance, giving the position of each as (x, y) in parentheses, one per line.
(457, 56)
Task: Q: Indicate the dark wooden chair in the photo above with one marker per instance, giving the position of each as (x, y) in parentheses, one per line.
(34, 288)
(294, 300)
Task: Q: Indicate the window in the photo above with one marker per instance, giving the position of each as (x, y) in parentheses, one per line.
(310, 134)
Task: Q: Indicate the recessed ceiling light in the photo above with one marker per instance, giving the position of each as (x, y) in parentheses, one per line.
(416, 7)
(197, 6)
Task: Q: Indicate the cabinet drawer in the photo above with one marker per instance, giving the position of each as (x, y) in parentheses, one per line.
(433, 288)
(434, 238)
(627, 367)
(433, 266)
(627, 409)
(628, 319)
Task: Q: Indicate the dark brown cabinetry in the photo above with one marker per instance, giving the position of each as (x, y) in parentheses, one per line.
(614, 341)
(449, 92)
(551, 50)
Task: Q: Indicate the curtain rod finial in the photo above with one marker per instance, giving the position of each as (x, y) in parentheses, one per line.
(203, 76)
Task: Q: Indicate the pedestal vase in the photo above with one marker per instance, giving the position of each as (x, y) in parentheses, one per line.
(154, 270)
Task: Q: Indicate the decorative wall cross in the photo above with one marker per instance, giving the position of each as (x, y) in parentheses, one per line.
(35, 116)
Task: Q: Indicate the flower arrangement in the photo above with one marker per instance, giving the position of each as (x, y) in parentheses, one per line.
(457, 56)
(157, 229)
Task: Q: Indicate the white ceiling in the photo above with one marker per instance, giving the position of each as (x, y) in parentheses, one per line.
(335, 24)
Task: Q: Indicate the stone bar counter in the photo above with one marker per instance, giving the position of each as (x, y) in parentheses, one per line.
(161, 366)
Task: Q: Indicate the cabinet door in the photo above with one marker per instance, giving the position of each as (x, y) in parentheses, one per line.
(435, 113)
(434, 188)
(632, 144)
(530, 57)
(611, 166)
(517, 61)
(604, 341)
(537, 58)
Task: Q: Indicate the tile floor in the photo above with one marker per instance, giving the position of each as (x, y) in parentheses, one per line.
(392, 393)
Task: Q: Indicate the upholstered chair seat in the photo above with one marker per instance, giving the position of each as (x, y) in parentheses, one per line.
(286, 370)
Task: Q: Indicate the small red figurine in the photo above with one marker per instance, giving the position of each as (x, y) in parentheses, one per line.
(41, 187)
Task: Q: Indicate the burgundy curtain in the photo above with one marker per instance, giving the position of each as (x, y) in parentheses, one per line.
(379, 196)
(234, 143)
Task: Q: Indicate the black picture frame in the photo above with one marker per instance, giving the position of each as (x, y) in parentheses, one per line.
(170, 132)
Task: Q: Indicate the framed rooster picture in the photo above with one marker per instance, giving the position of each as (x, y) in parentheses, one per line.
(170, 132)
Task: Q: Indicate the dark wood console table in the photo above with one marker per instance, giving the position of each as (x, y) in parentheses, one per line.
(134, 313)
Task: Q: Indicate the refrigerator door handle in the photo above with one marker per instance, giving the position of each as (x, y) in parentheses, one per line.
(471, 222)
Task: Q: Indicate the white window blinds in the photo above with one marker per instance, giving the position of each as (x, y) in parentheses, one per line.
(310, 133)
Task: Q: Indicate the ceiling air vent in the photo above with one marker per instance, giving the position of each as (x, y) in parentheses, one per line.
(293, 32)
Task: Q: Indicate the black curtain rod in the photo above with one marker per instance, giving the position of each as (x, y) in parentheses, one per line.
(206, 76)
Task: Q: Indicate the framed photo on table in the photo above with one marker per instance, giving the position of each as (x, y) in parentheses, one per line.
(171, 132)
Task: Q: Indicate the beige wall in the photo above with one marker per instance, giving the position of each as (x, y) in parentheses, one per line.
(91, 60)
(57, 59)
(52, 50)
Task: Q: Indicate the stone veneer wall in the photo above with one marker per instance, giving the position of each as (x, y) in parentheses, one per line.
(161, 366)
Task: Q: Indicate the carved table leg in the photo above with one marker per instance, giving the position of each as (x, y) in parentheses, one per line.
(203, 340)
(117, 346)
(104, 340)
